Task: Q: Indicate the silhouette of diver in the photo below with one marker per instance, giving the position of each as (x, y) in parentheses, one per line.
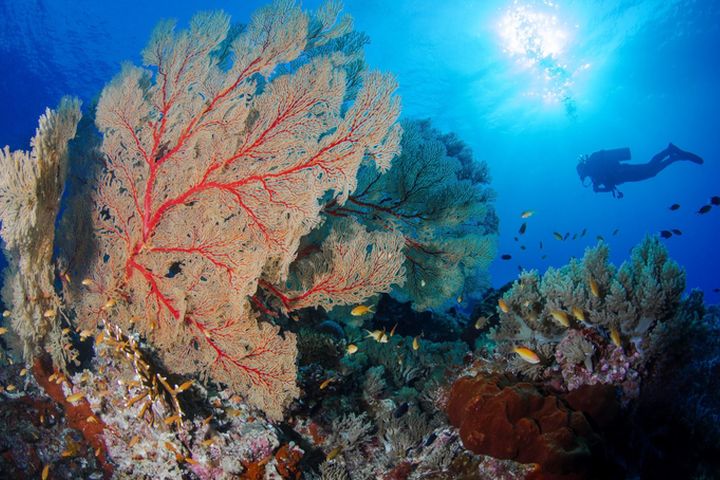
(606, 171)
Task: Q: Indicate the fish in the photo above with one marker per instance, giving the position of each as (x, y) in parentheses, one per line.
(567, 234)
(333, 453)
(171, 447)
(361, 310)
(506, 256)
(91, 419)
(541, 245)
(578, 313)
(523, 227)
(716, 290)
(173, 419)
(480, 322)
(7, 313)
(557, 235)
(10, 388)
(378, 335)
(674, 206)
(715, 200)
(325, 383)
(86, 282)
(665, 233)
(594, 288)
(516, 239)
(616, 231)
(401, 410)
(49, 313)
(527, 214)
(133, 441)
(422, 282)
(561, 317)
(676, 231)
(191, 460)
(416, 343)
(574, 237)
(584, 231)
(109, 304)
(45, 472)
(503, 305)
(23, 372)
(208, 442)
(459, 300)
(543, 257)
(704, 209)
(3, 330)
(184, 386)
(527, 355)
(352, 348)
(75, 397)
(522, 247)
(615, 337)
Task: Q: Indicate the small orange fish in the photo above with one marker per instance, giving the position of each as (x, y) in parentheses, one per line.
(91, 419)
(503, 305)
(3, 330)
(6, 313)
(480, 322)
(352, 348)
(208, 442)
(191, 461)
(45, 472)
(527, 214)
(527, 355)
(109, 304)
(171, 447)
(86, 282)
(207, 419)
(392, 330)
(49, 313)
(325, 384)
(615, 337)
(75, 397)
(594, 288)
(133, 441)
(10, 388)
(173, 419)
(578, 313)
(416, 343)
(361, 310)
(561, 317)
(23, 372)
(184, 386)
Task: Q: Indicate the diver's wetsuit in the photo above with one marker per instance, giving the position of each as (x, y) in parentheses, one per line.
(606, 170)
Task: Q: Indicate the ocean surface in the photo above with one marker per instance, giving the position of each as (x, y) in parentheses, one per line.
(530, 86)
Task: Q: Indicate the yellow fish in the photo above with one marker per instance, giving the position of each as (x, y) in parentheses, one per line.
(361, 310)
(578, 313)
(184, 386)
(416, 343)
(173, 419)
(480, 322)
(615, 337)
(527, 214)
(208, 442)
(333, 453)
(87, 282)
(49, 313)
(7, 313)
(133, 441)
(45, 472)
(109, 304)
(594, 288)
(557, 235)
(325, 384)
(392, 331)
(460, 299)
(3, 330)
(527, 355)
(75, 397)
(503, 305)
(561, 317)
(352, 348)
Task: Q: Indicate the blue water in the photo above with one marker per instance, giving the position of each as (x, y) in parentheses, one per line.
(637, 74)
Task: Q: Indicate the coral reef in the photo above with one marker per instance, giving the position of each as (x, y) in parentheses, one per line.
(588, 322)
(31, 184)
(437, 196)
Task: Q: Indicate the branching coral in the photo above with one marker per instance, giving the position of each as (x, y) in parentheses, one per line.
(589, 321)
(31, 184)
(216, 161)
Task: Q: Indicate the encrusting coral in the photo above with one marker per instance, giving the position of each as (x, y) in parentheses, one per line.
(589, 322)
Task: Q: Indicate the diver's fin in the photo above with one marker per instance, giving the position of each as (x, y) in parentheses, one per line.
(684, 155)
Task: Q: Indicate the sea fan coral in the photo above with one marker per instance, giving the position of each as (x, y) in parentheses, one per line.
(215, 163)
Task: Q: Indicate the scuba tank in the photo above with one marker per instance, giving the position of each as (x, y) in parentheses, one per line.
(614, 155)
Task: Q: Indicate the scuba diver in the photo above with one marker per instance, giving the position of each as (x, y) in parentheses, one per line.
(606, 171)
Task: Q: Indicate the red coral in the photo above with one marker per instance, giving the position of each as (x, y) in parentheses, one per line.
(505, 419)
